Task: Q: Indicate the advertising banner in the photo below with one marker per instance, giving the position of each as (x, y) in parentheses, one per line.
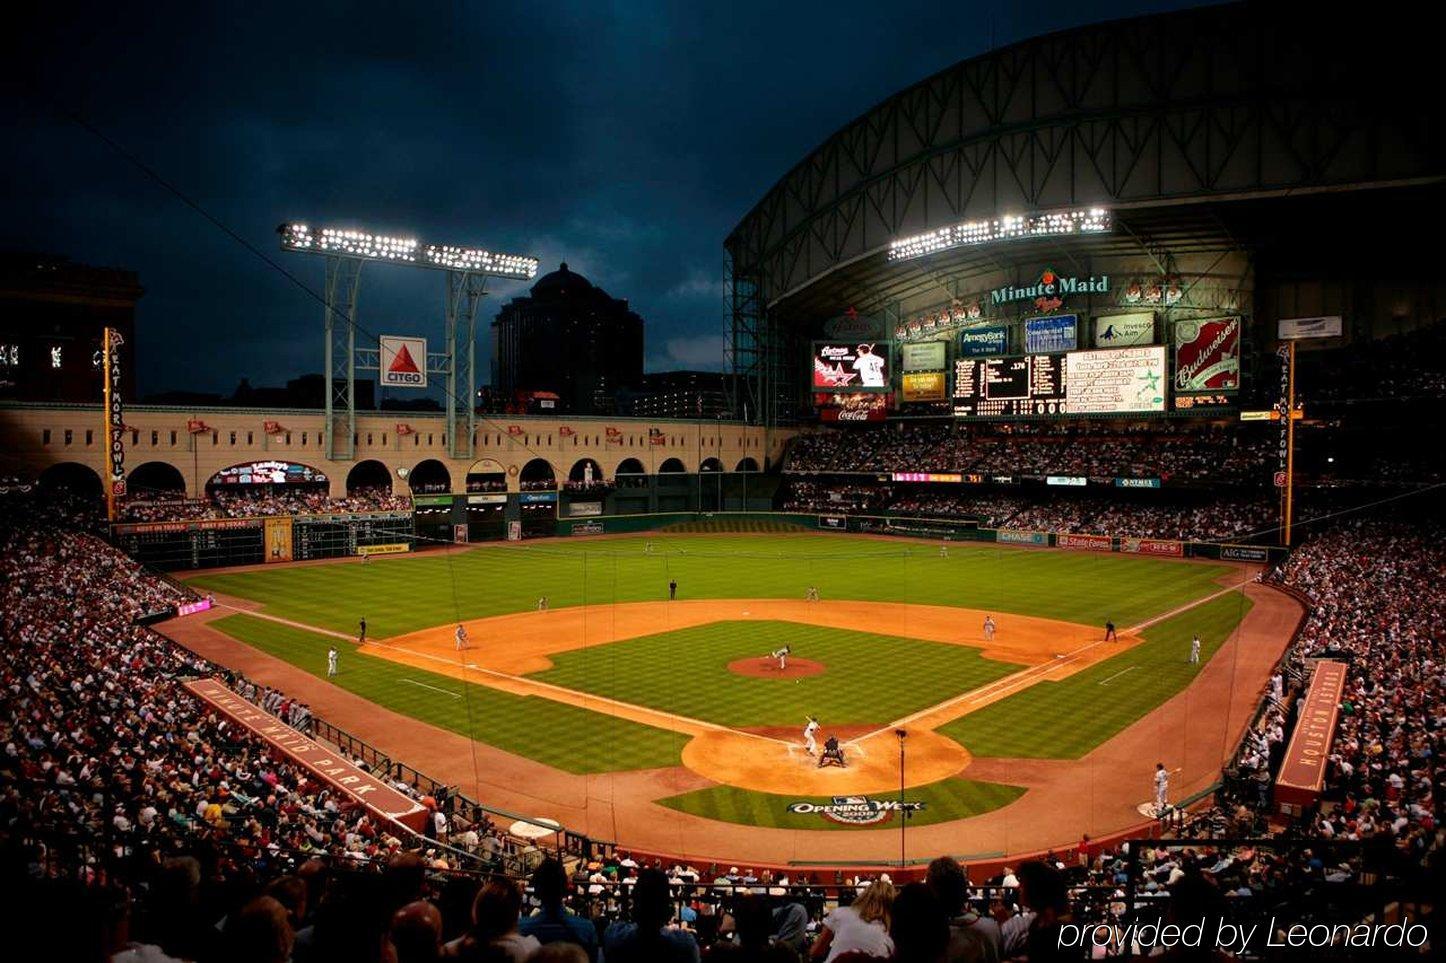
(587, 528)
(278, 539)
(1115, 380)
(496, 498)
(923, 386)
(402, 361)
(1153, 546)
(923, 356)
(1244, 553)
(388, 548)
(1068, 481)
(327, 766)
(834, 522)
(1093, 543)
(856, 407)
(538, 498)
(851, 367)
(852, 326)
(1207, 355)
(1011, 536)
(981, 342)
(459, 533)
(514, 530)
(584, 509)
(926, 476)
(1051, 335)
(1137, 483)
(115, 421)
(1301, 329)
(1124, 330)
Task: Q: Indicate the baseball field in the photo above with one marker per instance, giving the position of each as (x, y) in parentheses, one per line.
(614, 696)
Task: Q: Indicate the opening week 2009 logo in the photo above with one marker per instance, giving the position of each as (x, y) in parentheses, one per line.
(856, 810)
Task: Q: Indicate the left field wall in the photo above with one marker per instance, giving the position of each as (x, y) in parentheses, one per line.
(199, 442)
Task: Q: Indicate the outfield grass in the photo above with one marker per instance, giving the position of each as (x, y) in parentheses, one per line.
(403, 594)
(870, 678)
(943, 801)
(1066, 719)
(562, 736)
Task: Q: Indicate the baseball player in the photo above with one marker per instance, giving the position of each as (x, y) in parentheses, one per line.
(542, 603)
(812, 594)
(672, 589)
(361, 635)
(1195, 650)
(331, 658)
(810, 736)
(943, 551)
(988, 628)
(869, 366)
(461, 637)
(780, 656)
(1109, 632)
(1162, 788)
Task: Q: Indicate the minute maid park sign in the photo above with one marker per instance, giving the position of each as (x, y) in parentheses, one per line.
(1051, 289)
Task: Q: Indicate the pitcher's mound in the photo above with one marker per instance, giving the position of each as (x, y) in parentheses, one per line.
(763, 668)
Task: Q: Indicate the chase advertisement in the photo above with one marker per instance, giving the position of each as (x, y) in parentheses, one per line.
(849, 367)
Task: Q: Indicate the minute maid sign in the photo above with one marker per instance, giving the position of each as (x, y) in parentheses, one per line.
(1050, 290)
(856, 810)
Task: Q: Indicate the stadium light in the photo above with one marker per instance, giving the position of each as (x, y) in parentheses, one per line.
(1009, 227)
(342, 242)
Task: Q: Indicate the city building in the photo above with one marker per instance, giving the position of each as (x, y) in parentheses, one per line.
(53, 313)
(571, 338)
(683, 394)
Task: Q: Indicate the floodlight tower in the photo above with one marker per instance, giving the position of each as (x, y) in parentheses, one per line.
(467, 270)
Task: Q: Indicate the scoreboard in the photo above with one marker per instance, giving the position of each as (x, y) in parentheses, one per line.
(1005, 387)
(212, 542)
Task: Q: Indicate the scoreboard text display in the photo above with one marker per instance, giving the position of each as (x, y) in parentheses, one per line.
(1005, 387)
(1113, 381)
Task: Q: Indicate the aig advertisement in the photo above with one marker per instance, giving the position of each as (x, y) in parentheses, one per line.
(863, 366)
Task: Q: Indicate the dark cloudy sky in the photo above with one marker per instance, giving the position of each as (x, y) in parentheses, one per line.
(626, 138)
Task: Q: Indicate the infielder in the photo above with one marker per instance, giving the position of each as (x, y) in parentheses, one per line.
(811, 595)
(1195, 650)
(781, 657)
(331, 659)
(1110, 632)
(461, 636)
(988, 628)
(1162, 788)
(810, 733)
(542, 603)
(361, 635)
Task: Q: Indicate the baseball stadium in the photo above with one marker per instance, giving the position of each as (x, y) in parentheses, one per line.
(1072, 515)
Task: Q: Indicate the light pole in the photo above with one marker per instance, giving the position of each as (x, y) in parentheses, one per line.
(903, 813)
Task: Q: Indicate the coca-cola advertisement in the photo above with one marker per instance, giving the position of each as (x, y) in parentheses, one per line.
(854, 407)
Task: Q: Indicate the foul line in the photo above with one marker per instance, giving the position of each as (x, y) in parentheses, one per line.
(432, 687)
(295, 625)
(1116, 675)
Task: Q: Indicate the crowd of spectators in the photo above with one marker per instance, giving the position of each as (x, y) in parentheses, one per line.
(1378, 602)
(263, 500)
(1230, 455)
(1163, 516)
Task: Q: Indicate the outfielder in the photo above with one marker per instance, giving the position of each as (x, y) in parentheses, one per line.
(811, 595)
(988, 628)
(1195, 650)
(461, 636)
(810, 733)
(781, 657)
(331, 659)
(943, 551)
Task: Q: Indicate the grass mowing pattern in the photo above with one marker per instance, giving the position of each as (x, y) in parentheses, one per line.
(1066, 719)
(869, 678)
(946, 800)
(400, 594)
(562, 736)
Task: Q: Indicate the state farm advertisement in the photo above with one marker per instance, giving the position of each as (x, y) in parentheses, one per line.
(1093, 543)
(1207, 355)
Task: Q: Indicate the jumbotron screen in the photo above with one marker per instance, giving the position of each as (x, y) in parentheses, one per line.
(1113, 381)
